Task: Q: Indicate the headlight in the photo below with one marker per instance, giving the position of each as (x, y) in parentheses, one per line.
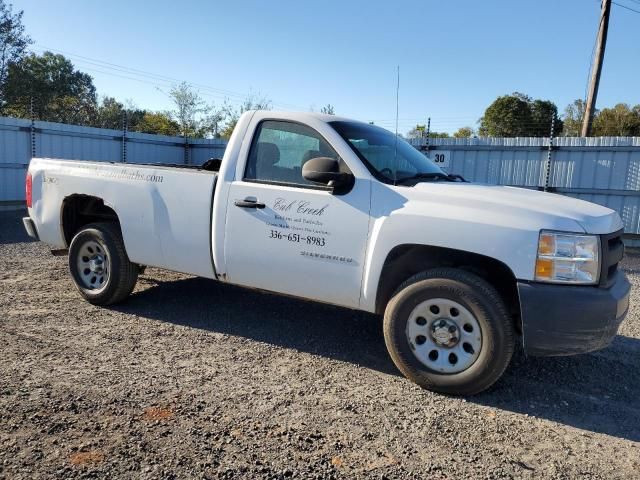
(568, 258)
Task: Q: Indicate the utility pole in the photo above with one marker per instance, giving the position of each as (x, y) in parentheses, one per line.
(597, 68)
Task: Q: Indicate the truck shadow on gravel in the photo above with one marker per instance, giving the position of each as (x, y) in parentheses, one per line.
(11, 229)
(597, 392)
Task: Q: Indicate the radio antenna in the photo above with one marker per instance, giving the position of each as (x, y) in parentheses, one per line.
(395, 152)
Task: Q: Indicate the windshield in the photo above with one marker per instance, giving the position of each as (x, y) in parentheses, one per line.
(376, 147)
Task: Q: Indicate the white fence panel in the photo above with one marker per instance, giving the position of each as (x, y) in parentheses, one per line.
(15, 153)
(149, 148)
(604, 170)
(202, 150)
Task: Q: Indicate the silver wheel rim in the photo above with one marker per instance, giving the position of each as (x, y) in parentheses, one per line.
(93, 266)
(444, 336)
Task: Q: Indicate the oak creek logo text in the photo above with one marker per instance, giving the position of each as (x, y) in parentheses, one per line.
(299, 206)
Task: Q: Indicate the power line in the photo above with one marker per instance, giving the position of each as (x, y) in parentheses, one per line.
(135, 71)
(158, 80)
(154, 84)
(593, 51)
(624, 6)
(439, 124)
(215, 92)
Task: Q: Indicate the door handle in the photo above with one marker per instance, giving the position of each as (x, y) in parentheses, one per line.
(248, 203)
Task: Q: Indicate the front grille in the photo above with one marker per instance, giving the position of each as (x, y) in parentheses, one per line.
(612, 253)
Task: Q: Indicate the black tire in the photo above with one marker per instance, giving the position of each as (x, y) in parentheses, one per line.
(122, 274)
(481, 300)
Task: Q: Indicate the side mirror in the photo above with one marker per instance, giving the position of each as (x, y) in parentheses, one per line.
(326, 171)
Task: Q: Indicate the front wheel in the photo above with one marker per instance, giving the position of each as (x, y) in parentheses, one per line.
(448, 330)
(99, 264)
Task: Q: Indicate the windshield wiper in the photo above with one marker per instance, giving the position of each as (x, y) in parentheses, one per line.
(433, 176)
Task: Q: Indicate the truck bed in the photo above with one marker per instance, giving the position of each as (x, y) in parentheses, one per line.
(164, 210)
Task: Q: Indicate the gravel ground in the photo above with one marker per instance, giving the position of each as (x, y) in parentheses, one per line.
(191, 378)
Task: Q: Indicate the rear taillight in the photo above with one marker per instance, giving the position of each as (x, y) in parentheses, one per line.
(29, 189)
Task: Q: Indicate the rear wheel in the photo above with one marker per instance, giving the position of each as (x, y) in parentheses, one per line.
(99, 264)
(448, 330)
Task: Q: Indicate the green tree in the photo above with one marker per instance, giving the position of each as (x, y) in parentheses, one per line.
(518, 115)
(507, 116)
(618, 121)
(159, 123)
(232, 114)
(13, 44)
(196, 118)
(189, 107)
(60, 93)
(328, 109)
(111, 113)
(464, 132)
(542, 112)
(213, 122)
(419, 132)
(572, 121)
(134, 115)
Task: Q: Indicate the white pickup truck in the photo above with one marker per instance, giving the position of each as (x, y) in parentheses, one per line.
(338, 211)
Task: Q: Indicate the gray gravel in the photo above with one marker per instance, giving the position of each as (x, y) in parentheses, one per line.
(191, 378)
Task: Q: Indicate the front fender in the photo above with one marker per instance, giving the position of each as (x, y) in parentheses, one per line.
(505, 235)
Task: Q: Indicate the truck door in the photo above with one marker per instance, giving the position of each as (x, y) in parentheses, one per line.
(291, 236)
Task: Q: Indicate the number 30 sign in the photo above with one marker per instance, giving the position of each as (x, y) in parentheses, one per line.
(442, 158)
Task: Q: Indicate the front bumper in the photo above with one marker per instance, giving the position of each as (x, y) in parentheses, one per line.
(30, 227)
(566, 320)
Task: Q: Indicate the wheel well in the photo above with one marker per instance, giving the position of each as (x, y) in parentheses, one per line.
(404, 261)
(81, 210)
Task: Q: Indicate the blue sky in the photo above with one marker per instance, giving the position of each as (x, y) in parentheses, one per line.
(455, 57)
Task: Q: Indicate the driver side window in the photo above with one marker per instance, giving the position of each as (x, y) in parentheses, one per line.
(280, 149)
